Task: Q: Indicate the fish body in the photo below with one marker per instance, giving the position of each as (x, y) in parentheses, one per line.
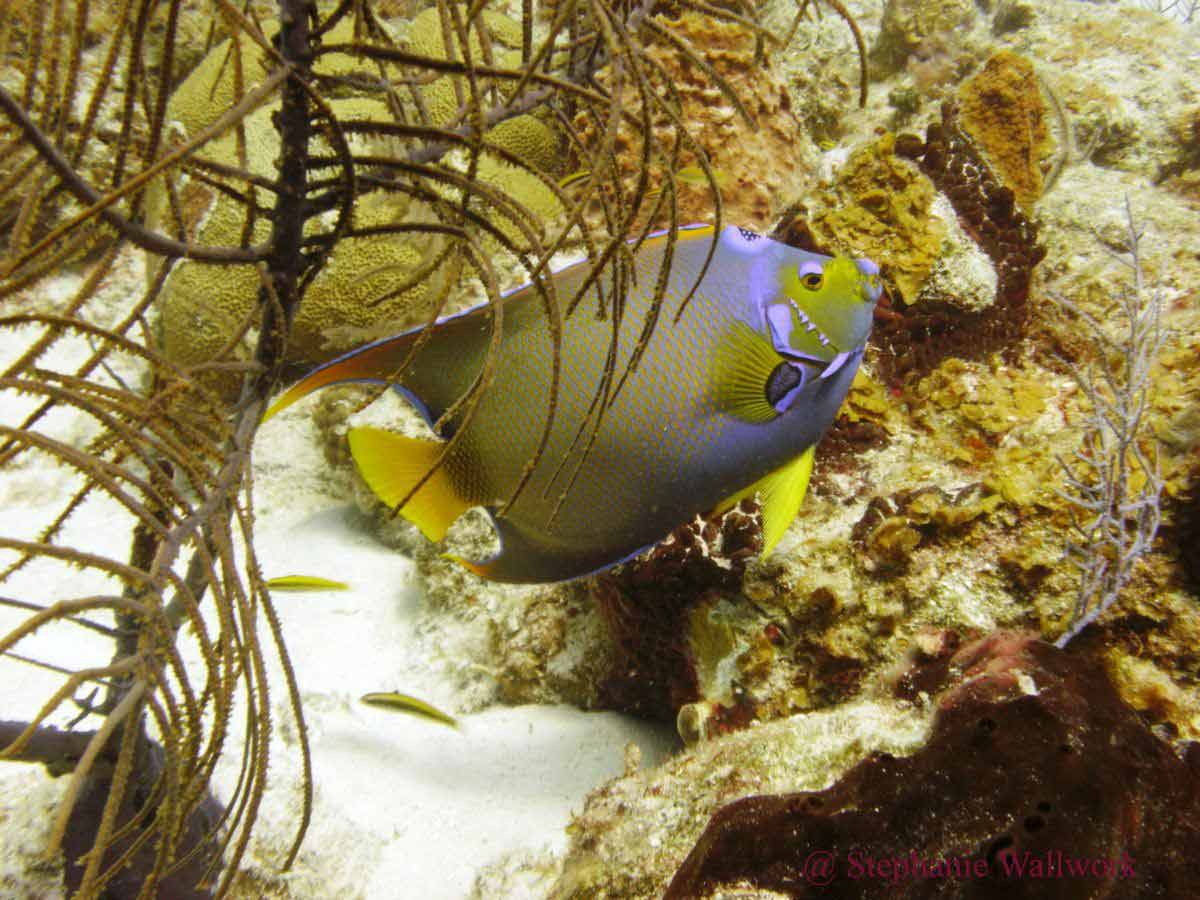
(305, 583)
(407, 703)
(730, 398)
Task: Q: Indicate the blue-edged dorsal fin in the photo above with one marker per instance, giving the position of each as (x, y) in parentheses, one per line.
(391, 464)
(441, 372)
(742, 362)
(781, 493)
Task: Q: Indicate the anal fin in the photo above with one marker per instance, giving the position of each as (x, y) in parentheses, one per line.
(391, 464)
(781, 493)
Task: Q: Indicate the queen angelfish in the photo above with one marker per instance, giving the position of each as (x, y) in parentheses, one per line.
(726, 402)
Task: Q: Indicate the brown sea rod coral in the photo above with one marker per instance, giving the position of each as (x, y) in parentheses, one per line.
(1036, 774)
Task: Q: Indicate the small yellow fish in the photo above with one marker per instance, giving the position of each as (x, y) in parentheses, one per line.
(694, 175)
(406, 703)
(305, 583)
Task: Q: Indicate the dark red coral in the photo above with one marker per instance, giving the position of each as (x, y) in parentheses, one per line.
(914, 339)
(646, 603)
(1185, 531)
(1035, 768)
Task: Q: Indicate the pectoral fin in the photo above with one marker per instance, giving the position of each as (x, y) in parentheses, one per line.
(781, 494)
(742, 363)
(391, 464)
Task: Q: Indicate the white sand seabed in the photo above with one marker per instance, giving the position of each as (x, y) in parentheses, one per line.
(403, 807)
(415, 808)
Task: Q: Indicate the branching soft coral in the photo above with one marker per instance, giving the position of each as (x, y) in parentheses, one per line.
(1112, 482)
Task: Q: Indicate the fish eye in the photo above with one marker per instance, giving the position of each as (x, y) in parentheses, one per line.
(812, 280)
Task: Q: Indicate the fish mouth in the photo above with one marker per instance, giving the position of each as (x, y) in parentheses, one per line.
(810, 326)
(828, 367)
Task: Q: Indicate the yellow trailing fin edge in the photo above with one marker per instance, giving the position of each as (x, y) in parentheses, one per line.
(375, 362)
(391, 464)
(742, 362)
(781, 494)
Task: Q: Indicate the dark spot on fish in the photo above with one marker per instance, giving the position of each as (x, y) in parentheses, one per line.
(783, 379)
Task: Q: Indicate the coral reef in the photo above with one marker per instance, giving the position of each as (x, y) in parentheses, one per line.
(532, 137)
(962, 275)
(1113, 487)
(933, 510)
(921, 33)
(205, 309)
(880, 207)
(991, 400)
(893, 527)
(233, 69)
(1035, 768)
(1187, 534)
(425, 37)
(956, 251)
(633, 832)
(354, 298)
(918, 337)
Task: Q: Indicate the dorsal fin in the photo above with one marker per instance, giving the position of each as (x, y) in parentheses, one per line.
(441, 372)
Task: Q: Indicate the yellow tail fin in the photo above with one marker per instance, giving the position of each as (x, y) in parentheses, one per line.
(391, 464)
